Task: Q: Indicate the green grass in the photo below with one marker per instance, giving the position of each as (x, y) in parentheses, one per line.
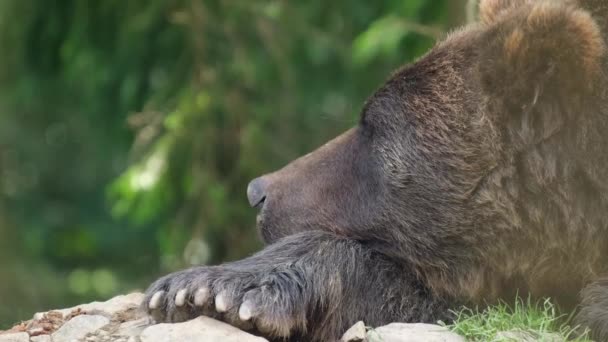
(538, 319)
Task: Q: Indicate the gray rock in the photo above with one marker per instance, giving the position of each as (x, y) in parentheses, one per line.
(15, 337)
(38, 331)
(356, 333)
(416, 332)
(41, 338)
(201, 329)
(132, 328)
(107, 308)
(78, 327)
(120, 320)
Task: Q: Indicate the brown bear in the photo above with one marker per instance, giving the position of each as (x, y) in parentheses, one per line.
(476, 173)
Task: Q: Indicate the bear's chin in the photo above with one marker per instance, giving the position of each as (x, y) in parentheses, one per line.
(264, 227)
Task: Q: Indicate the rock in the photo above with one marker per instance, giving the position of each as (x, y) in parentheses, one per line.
(48, 323)
(78, 327)
(107, 308)
(118, 331)
(357, 333)
(526, 336)
(414, 332)
(132, 328)
(37, 331)
(201, 329)
(15, 337)
(120, 319)
(41, 338)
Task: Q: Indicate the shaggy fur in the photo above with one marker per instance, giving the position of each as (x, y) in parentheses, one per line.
(476, 173)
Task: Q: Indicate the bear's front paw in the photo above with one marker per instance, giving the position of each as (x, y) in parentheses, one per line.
(271, 302)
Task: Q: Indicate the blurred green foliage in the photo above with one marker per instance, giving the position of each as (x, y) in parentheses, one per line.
(129, 129)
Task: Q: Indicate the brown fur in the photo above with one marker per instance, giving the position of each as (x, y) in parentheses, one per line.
(491, 10)
(476, 173)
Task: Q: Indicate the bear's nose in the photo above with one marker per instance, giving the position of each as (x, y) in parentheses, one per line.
(256, 192)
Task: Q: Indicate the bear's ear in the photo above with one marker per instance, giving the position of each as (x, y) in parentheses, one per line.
(541, 45)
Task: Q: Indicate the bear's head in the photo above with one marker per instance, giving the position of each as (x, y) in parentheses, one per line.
(435, 149)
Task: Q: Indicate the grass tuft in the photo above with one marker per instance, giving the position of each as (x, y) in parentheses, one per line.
(540, 320)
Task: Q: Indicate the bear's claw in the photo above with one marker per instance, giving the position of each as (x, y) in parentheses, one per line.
(248, 301)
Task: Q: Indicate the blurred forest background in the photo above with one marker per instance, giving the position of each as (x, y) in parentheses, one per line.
(130, 129)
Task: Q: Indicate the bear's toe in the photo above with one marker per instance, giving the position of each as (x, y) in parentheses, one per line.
(180, 297)
(222, 302)
(156, 301)
(202, 296)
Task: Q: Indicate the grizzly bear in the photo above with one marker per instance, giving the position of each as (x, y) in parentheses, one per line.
(477, 173)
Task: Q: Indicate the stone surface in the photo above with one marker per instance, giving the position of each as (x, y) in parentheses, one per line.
(120, 319)
(15, 337)
(110, 307)
(133, 328)
(357, 333)
(41, 338)
(202, 329)
(78, 327)
(415, 332)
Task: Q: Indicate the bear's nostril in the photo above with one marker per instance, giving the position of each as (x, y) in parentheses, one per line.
(256, 192)
(260, 202)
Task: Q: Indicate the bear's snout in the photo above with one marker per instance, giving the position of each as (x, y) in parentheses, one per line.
(256, 192)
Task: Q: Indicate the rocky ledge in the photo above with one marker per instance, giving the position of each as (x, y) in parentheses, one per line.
(120, 320)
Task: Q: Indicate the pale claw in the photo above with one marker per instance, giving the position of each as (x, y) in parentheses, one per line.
(180, 297)
(201, 296)
(246, 311)
(156, 300)
(221, 302)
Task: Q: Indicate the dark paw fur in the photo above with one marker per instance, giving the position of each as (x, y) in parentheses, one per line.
(270, 303)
